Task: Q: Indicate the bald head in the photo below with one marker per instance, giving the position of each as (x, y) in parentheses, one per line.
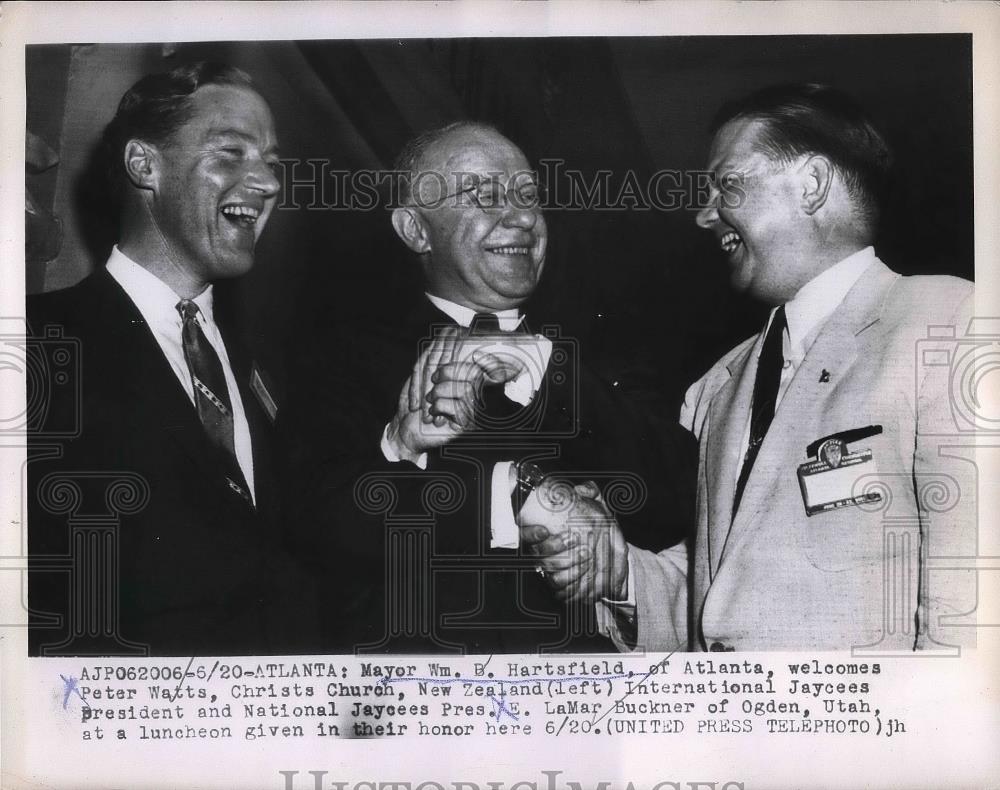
(478, 246)
(423, 153)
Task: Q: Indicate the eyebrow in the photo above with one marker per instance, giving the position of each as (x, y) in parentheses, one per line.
(724, 168)
(215, 134)
(525, 177)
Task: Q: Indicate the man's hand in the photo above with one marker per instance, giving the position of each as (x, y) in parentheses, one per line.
(456, 386)
(580, 548)
(438, 400)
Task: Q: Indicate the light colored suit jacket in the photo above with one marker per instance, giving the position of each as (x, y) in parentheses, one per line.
(875, 575)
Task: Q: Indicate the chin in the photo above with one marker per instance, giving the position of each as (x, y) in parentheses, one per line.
(743, 275)
(236, 266)
(512, 287)
(514, 297)
(740, 283)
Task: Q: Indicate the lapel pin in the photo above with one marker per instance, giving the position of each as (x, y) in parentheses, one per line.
(824, 377)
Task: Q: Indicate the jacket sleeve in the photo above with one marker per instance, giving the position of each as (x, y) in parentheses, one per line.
(945, 485)
(658, 596)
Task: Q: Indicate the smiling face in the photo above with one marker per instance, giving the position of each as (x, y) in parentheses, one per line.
(755, 215)
(215, 185)
(484, 260)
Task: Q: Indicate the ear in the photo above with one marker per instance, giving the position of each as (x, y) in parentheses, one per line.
(818, 174)
(141, 164)
(409, 226)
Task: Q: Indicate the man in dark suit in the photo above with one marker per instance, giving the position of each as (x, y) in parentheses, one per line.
(411, 431)
(152, 523)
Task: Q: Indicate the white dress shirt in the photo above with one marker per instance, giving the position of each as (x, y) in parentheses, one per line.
(157, 303)
(503, 527)
(805, 315)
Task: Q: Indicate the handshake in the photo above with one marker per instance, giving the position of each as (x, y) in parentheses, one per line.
(581, 551)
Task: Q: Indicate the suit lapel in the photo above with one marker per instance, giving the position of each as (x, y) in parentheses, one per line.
(145, 370)
(144, 373)
(258, 421)
(724, 453)
(835, 350)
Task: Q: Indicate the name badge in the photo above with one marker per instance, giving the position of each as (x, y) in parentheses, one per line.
(262, 393)
(829, 481)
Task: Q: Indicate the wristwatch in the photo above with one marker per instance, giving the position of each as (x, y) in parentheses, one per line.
(528, 476)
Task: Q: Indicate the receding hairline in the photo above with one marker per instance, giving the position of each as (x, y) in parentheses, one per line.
(224, 126)
(472, 131)
(752, 126)
(226, 86)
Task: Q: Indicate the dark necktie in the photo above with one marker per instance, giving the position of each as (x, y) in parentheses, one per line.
(484, 324)
(495, 410)
(765, 396)
(211, 395)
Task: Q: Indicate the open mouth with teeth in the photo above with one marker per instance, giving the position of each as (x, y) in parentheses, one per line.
(509, 250)
(730, 241)
(242, 216)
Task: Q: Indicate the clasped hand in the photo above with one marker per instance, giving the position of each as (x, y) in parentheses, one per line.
(577, 541)
(438, 400)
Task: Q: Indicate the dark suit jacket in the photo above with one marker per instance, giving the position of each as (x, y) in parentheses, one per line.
(189, 566)
(403, 555)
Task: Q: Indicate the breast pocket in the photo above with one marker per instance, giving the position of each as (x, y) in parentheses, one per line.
(880, 526)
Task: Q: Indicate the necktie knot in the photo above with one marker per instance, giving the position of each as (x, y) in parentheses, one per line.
(484, 324)
(187, 309)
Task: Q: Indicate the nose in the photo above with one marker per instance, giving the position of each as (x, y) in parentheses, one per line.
(261, 178)
(520, 217)
(709, 213)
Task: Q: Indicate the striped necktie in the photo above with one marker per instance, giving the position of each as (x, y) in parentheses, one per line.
(211, 395)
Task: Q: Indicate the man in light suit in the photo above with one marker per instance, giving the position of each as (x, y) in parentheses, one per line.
(829, 503)
(169, 460)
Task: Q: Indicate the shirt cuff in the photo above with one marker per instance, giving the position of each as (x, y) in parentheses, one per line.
(617, 619)
(504, 533)
(392, 456)
(535, 357)
(628, 604)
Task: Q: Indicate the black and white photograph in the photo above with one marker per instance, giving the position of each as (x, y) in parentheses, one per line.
(634, 360)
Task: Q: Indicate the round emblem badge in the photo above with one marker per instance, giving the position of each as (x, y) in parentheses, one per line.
(831, 452)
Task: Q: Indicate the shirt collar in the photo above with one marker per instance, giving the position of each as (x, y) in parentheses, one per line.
(816, 301)
(155, 300)
(509, 320)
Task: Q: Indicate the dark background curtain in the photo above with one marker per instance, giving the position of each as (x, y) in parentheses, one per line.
(643, 290)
